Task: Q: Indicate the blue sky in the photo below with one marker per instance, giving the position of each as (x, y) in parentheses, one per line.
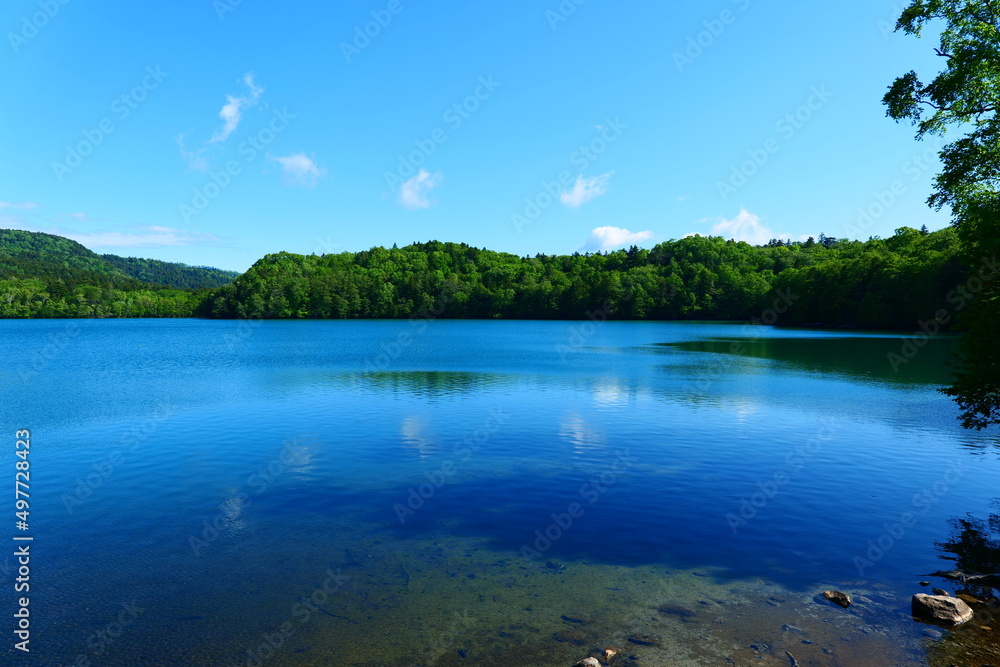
(216, 131)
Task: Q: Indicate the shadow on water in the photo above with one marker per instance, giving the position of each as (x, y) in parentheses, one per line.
(645, 524)
(852, 357)
(972, 548)
(423, 384)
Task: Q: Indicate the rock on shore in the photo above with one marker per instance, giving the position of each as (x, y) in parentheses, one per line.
(941, 609)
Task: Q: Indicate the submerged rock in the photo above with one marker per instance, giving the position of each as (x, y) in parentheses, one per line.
(968, 599)
(941, 609)
(940, 591)
(674, 610)
(571, 636)
(576, 618)
(836, 597)
(645, 640)
(970, 578)
(984, 580)
(588, 662)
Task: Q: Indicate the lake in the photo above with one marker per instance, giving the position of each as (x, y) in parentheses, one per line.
(487, 492)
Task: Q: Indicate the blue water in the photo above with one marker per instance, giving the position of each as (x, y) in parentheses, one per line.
(215, 474)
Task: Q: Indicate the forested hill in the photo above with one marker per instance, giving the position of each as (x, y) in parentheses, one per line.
(881, 283)
(42, 275)
(174, 274)
(49, 257)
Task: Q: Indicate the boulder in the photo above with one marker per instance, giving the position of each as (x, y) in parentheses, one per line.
(588, 662)
(607, 655)
(941, 609)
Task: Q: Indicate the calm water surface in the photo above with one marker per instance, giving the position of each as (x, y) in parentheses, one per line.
(457, 493)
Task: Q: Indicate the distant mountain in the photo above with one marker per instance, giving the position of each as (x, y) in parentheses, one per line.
(54, 258)
(174, 274)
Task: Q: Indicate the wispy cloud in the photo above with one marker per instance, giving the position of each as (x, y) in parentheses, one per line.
(747, 227)
(195, 159)
(613, 238)
(78, 216)
(585, 189)
(150, 236)
(232, 111)
(413, 194)
(299, 169)
(19, 206)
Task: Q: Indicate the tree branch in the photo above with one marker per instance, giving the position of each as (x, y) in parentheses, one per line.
(993, 11)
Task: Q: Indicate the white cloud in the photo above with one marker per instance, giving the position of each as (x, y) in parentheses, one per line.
(613, 238)
(78, 216)
(747, 227)
(19, 206)
(585, 189)
(233, 110)
(413, 193)
(299, 169)
(138, 237)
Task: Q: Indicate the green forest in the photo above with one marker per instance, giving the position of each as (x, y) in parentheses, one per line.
(889, 283)
(42, 275)
(886, 284)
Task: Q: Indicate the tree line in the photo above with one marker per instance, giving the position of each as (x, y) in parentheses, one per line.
(880, 283)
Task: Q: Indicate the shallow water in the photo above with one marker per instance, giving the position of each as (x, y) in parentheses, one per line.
(375, 488)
